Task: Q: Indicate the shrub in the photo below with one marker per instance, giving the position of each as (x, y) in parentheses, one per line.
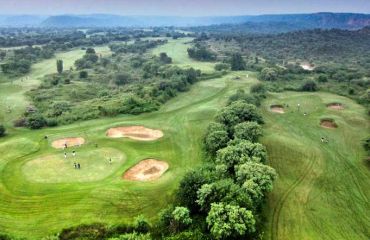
(2, 131)
(92, 232)
(36, 121)
(222, 66)
(84, 74)
(309, 86)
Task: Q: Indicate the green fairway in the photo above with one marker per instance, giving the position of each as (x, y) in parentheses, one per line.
(323, 188)
(42, 192)
(177, 50)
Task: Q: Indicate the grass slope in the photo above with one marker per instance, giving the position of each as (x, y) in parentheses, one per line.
(323, 188)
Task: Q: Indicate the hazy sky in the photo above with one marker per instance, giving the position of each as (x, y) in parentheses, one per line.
(180, 7)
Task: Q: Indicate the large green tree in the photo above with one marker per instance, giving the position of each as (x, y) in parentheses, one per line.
(241, 152)
(250, 131)
(225, 221)
(237, 62)
(238, 112)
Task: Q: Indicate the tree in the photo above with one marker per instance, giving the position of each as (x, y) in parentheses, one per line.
(227, 221)
(222, 66)
(241, 152)
(237, 62)
(269, 74)
(122, 79)
(215, 141)
(164, 58)
(262, 175)
(2, 131)
(238, 112)
(224, 190)
(181, 216)
(250, 131)
(241, 95)
(60, 66)
(190, 184)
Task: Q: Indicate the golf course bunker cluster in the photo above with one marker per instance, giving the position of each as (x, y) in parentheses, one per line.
(70, 142)
(146, 170)
(335, 106)
(277, 108)
(139, 133)
(328, 123)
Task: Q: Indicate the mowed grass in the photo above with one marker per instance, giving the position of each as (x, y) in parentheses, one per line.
(36, 200)
(322, 191)
(177, 50)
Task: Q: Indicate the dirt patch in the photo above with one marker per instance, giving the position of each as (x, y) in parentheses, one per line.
(146, 170)
(335, 106)
(71, 142)
(328, 123)
(307, 66)
(277, 109)
(140, 133)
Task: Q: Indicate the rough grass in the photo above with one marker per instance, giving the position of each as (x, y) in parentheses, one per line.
(323, 188)
(177, 50)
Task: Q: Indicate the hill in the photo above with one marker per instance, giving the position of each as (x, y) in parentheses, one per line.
(293, 21)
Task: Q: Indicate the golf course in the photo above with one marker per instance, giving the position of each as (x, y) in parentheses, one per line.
(321, 192)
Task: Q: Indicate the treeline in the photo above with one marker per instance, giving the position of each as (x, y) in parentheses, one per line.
(139, 46)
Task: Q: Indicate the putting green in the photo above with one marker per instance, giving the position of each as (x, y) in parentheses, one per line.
(55, 168)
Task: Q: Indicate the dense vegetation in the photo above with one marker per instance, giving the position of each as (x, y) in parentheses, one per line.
(129, 82)
(339, 59)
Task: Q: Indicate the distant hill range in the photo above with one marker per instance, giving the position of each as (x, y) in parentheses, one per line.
(295, 21)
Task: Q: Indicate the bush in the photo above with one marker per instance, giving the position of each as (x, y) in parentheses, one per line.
(309, 86)
(21, 122)
(36, 121)
(92, 232)
(141, 225)
(222, 66)
(259, 89)
(84, 74)
(2, 131)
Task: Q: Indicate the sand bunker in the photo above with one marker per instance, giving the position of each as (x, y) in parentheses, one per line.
(71, 142)
(307, 66)
(277, 109)
(146, 170)
(328, 123)
(135, 132)
(335, 106)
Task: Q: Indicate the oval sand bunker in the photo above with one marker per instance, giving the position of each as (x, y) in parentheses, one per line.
(328, 123)
(140, 133)
(146, 170)
(335, 106)
(71, 142)
(277, 109)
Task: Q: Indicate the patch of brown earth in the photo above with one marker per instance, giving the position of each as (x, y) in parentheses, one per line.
(328, 123)
(146, 170)
(277, 109)
(335, 106)
(71, 142)
(140, 133)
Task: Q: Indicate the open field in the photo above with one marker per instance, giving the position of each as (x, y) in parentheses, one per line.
(177, 50)
(323, 188)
